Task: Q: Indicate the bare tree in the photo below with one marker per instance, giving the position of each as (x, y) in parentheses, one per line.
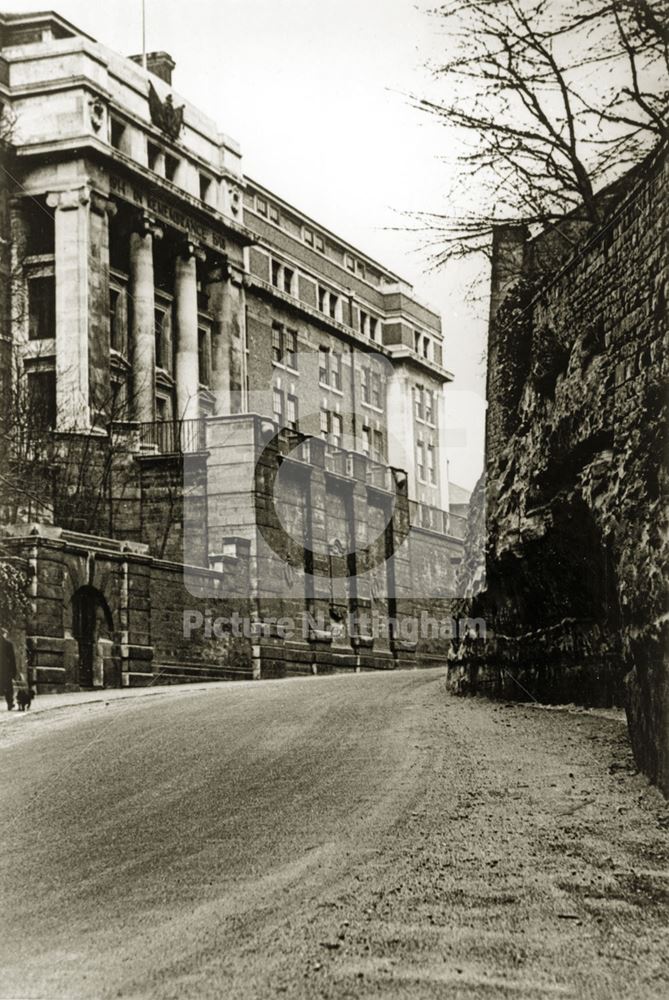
(548, 101)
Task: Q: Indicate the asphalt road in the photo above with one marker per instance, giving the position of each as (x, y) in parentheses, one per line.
(359, 836)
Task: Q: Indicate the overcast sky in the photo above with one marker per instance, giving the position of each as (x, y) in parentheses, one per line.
(315, 93)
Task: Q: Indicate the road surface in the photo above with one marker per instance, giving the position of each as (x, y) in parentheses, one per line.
(353, 836)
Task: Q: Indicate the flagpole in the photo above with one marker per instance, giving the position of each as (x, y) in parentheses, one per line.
(144, 33)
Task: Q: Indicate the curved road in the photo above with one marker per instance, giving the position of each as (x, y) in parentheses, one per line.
(353, 836)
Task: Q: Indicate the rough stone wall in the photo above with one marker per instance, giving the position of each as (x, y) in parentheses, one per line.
(577, 527)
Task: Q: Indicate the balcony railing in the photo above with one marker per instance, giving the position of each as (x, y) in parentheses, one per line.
(423, 515)
(173, 436)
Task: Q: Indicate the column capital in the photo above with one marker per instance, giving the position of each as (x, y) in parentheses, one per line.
(147, 225)
(103, 205)
(221, 269)
(189, 247)
(69, 200)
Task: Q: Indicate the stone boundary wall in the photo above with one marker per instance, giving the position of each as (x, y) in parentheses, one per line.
(577, 525)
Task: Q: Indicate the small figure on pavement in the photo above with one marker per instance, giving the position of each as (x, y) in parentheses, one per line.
(7, 668)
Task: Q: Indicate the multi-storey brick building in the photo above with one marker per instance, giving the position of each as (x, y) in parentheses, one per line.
(178, 332)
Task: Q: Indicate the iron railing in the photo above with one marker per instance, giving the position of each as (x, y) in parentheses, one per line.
(423, 515)
(173, 436)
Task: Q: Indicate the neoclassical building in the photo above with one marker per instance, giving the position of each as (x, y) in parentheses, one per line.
(213, 397)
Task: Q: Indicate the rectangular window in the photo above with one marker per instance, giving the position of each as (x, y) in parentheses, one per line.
(322, 299)
(325, 424)
(335, 371)
(161, 408)
(420, 460)
(274, 215)
(376, 390)
(366, 441)
(203, 359)
(378, 445)
(42, 399)
(114, 338)
(291, 412)
(276, 273)
(416, 341)
(158, 320)
(277, 346)
(319, 244)
(365, 386)
(337, 429)
(117, 133)
(363, 322)
(288, 276)
(426, 347)
(205, 187)
(261, 206)
(361, 269)
(290, 352)
(41, 308)
(333, 305)
(324, 365)
(308, 237)
(419, 397)
(429, 406)
(153, 156)
(277, 405)
(171, 168)
(373, 323)
(350, 263)
(431, 467)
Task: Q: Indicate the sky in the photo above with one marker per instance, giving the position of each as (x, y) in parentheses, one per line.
(317, 94)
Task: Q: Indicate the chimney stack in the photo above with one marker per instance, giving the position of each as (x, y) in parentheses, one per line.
(161, 64)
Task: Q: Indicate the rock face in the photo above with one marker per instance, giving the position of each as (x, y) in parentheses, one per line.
(576, 524)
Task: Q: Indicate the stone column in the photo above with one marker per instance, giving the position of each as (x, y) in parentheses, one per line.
(72, 237)
(226, 299)
(185, 311)
(142, 332)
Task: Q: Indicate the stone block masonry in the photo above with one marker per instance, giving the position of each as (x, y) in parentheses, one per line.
(577, 526)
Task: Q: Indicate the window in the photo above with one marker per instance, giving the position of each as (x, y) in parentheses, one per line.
(171, 167)
(325, 424)
(153, 153)
(282, 277)
(361, 269)
(329, 368)
(416, 341)
(366, 441)
(320, 246)
(274, 215)
(203, 356)
(420, 460)
(290, 346)
(42, 399)
(308, 236)
(158, 320)
(419, 397)
(378, 444)
(284, 346)
(117, 133)
(41, 308)
(376, 390)
(205, 187)
(291, 411)
(277, 405)
(431, 467)
(118, 334)
(161, 408)
(40, 227)
(277, 347)
(328, 302)
(324, 365)
(350, 263)
(364, 385)
(429, 406)
(335, 371)
(368, 325)
(426, 347)
(337, 430)
(261, 206)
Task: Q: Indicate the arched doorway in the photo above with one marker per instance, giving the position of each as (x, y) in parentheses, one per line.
(91, 621)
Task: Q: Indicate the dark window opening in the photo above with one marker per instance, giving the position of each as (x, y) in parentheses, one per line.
(40, 227)
(117, 131)
(154, 156)
(42, 399)
(203, 357)
(205, 187)
(171, 167)
(41, 308)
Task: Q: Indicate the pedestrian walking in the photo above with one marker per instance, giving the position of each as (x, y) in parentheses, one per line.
(7, 668)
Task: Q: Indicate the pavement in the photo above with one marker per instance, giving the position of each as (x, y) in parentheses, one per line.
(352, 836)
